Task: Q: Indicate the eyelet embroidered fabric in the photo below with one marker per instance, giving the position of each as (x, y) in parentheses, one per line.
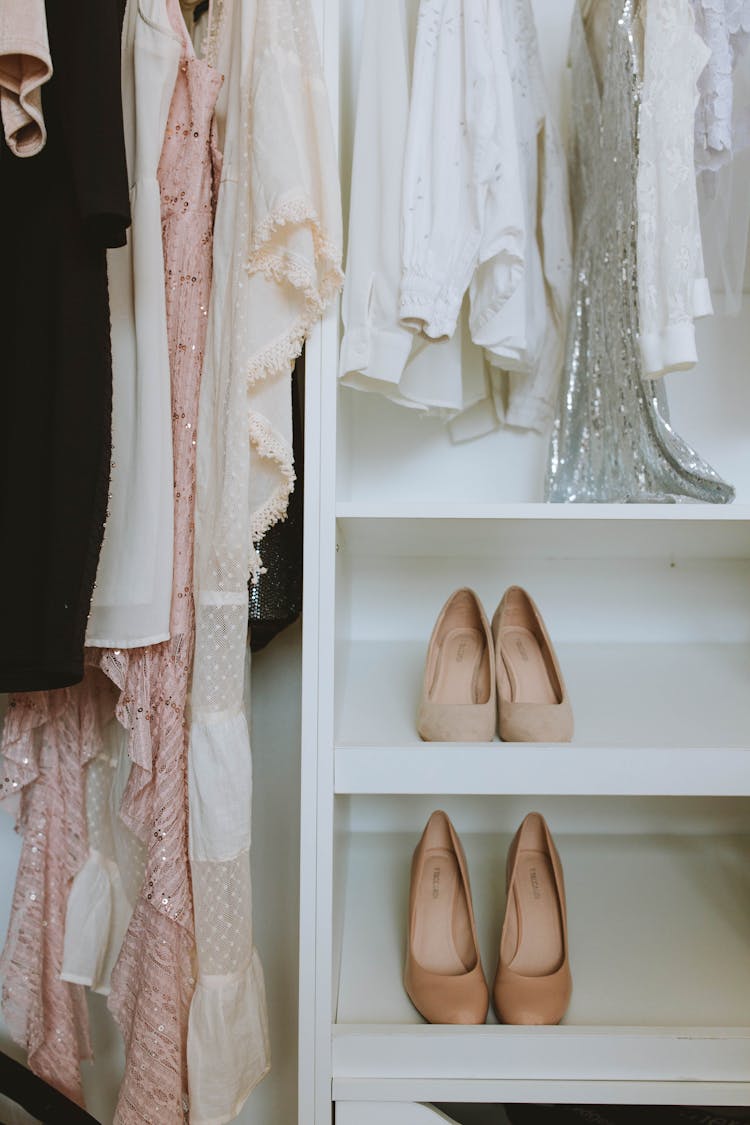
(276, 265)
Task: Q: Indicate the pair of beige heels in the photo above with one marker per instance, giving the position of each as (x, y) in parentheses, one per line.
(509, 678)
(443, 975)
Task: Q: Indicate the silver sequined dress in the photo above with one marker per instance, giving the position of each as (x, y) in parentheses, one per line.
(612, 441)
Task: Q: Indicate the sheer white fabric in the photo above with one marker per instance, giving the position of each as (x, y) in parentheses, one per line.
(133, 593)
(105, 890)
(672, 287)
(725, 205)
(524, 341)
(277, 248)
(724, 26)
(25, 66)
(462, 200)
(378, 353)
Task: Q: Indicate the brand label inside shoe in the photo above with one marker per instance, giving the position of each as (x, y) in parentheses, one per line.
(534, 880)
(460, 652)
(436, 882)
(521, 647)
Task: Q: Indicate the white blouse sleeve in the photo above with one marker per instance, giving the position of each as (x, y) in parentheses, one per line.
(376, 347)
(450, 156)
(672, 288)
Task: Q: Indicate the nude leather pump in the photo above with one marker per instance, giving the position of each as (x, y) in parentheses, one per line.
(458, 694)
(443, 974)
(532, 700)
(533, 982)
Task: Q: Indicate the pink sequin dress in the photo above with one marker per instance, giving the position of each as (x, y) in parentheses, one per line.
(50, 738)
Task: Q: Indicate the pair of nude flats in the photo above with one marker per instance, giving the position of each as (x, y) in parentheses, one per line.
(443, 975)
(479, 679)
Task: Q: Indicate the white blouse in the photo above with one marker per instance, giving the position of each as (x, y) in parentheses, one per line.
(378, 353)
(462, 199)
(525, 339)
(133, 593)
(672, 287)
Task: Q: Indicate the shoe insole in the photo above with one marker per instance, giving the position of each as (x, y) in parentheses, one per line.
(534, 926)
(442, 941)
(459, 665)
(526, 668)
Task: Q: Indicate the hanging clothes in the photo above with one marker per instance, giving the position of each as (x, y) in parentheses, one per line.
(462, 202)
(25, 66)
(525, 339)
(672, 287)
(724, 26)
(277, 251)
(130, 607)
(378, 353)
(611, 440)
(722, 148)
(70, 748)
(152, 983)
(63, 208)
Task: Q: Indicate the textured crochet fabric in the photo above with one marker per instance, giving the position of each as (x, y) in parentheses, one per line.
(153, 980)
(49, 738)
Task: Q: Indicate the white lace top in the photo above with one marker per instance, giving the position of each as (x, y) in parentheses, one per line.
(672, 288)
(462, 199)
(277, 251)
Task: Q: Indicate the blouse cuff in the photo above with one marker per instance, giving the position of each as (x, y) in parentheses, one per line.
(671, 349)
(429, 306)
(375, 353)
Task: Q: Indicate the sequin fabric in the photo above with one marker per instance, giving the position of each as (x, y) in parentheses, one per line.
(50, 738)
(612, 440)
(153, 980)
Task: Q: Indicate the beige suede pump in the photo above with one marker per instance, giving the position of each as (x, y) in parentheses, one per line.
(443, 974)
(458, 695)
(532, 700)
(533, 982)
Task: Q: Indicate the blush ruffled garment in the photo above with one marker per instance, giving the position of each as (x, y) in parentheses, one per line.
(50, 739)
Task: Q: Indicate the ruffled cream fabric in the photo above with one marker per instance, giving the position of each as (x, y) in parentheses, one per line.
(25, 66)
(277, 252)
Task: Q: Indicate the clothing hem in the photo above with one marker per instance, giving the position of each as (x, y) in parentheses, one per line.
(48, 678)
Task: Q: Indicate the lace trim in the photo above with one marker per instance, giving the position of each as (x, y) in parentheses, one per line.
(318, 282)
(217, 10)
(269, 445)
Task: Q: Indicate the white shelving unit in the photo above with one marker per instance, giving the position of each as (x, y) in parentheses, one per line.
(649, 607)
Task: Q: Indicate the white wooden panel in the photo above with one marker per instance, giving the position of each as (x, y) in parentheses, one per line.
(449, 1090)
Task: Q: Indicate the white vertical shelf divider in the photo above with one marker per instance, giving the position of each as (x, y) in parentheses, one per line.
(318, 649)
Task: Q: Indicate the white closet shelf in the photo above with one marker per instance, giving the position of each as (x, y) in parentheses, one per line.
(545, 530)
(659, 932)
(544, 770)
(465, 511)
(661, 719)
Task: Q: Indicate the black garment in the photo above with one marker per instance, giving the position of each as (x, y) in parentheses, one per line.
(276, 598)
(37, 1098)
(58, 213)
